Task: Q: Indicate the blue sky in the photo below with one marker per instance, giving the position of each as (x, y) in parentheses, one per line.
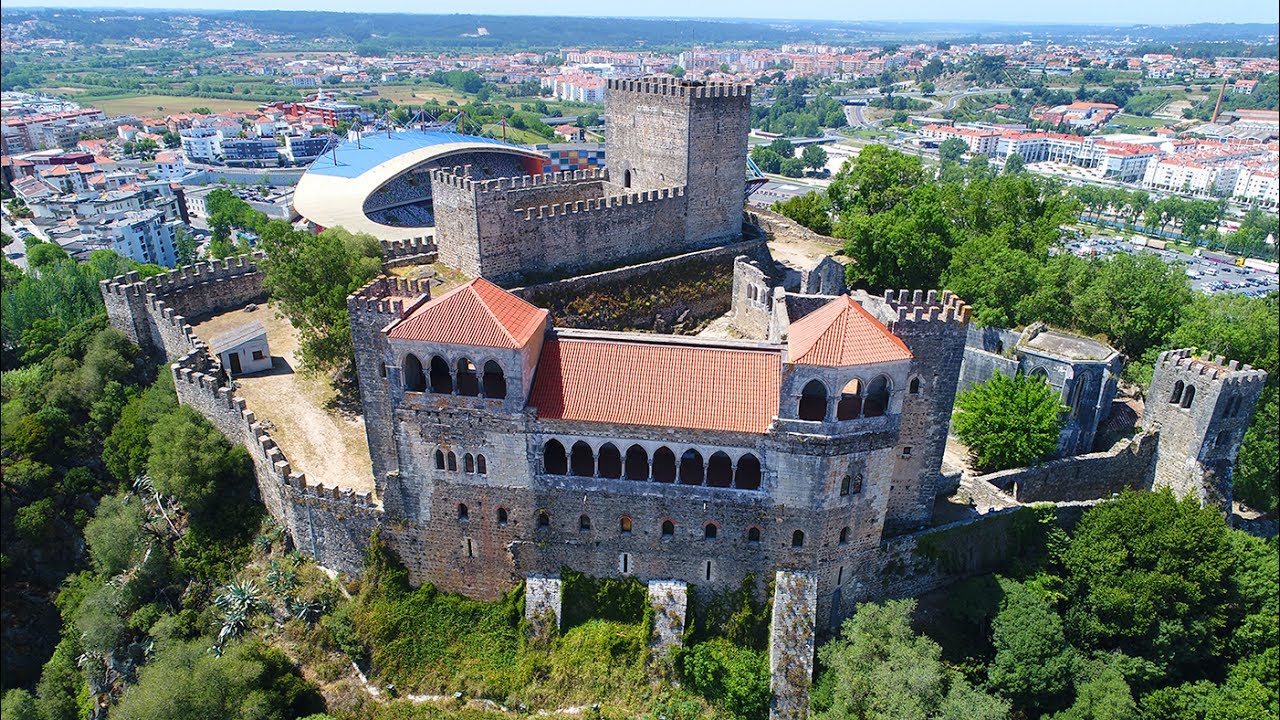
(1155, 12)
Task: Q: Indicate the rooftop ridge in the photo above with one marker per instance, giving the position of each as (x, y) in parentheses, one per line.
(615, 336)
(609, 202)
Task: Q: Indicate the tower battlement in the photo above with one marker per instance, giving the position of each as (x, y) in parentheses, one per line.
(1231, 373)
(609, 202)
(459, 176)
(389, 295)
(921, 306)
(676, 87)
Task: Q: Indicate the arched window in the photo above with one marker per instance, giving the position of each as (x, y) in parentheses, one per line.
(502, 517)
(637, 463)
(1224, 437)
(846, 483)
(453, 461)
(857, 484)
(581, 461)
(710, 531)
(439, 459)
(1040, 374)
(813, 401)
(1177, 392)
(468, 383)
(610, 461)
(914, 386)
(463, 514)
(850, 405)
(753, 536)
(441, 382)
(554, 461)
(626, 178)
(544, 519)
(691, 468)
(719, 470)
(797, 539)
(584, 523)
(495, 384)
(664, 465)
(747, 476)
(482, 466)
(1077, 396)
(877, 400)
(624, 525)
(414, 380)
(468, 463)
(668, 529)
(1188, 396)
(844, 536)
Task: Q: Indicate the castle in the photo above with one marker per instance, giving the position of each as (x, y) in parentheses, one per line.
(505, 448)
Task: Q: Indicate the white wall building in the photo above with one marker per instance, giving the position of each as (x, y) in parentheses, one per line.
(201, 144)
(144, 236)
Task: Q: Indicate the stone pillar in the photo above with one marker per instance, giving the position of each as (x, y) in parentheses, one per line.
(791, 643)
(669, 600)
(542, 603)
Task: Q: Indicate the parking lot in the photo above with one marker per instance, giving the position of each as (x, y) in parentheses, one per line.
(1207, 276)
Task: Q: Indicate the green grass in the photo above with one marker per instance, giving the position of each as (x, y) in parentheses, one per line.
(167, 104)
(1138, 122)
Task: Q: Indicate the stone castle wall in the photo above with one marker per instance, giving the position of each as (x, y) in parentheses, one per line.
(1084, 477)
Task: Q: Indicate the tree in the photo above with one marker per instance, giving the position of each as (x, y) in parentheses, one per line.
(814, 157)
(736, 678)
(996, 279)
(1014, 164)
(877, 180)
(811, 210)
(927, 87)
(1008, 422)
(951, 150)
(767, 160)
(185, 248)
(1033, 663)
(880, 669)
(193, 462)
(1104, 696)
(792, 167)
(44, 254)
(115, 534)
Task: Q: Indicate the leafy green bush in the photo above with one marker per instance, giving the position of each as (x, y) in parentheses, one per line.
(735, 678)
(1008, 422)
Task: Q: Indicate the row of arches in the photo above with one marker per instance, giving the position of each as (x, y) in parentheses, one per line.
(855, 399)
(463, 378)
(664, 467)
(471, 464)
(1183, 394)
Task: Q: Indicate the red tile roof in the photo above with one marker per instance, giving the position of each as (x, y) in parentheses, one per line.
(658, 384)
(478, 313)
(842, 333)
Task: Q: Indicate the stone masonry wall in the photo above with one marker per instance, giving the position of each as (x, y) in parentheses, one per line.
(792, 639)
(1084, 477)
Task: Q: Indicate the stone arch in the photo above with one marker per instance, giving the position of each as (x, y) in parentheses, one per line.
(813, 401)
(439, 459)
(719, 470)
(544, 519)
(494, 382)
(452, 461)
(753, 535)
(710, 531)
(469, 463)
(692, 469)
(584, 523)
(1188, 396)
(846, 483)
(441, 380)
(463, 513)
(1176, 397)
(624, 525)
(482, 465)
(502, 517)
(637, 463)
(414, 379)
(1040, 374)
(850, 404)
(913, 387)
(626, 178)
(582, 461)
(747, 474)
(554, 460)
(844, 536)
(468, 381)
(668, 529)
(609, 463)
(876, 402)
(664, 465)
(797, 539)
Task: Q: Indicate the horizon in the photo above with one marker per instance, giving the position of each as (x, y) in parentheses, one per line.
(1230, 12)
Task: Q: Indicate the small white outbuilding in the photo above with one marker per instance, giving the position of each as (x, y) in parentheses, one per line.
(243, 350)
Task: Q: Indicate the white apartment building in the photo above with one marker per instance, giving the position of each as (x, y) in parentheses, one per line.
(144, 236)
(201, 144)
(1260, 185)
(1189, 176)
(170, 166)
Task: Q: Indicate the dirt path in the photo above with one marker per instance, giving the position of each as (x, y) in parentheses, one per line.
(329, 447)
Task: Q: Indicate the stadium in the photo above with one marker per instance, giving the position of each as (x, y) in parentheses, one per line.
(381, 183)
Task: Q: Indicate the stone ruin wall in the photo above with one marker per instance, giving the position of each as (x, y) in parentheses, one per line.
(1126, 466)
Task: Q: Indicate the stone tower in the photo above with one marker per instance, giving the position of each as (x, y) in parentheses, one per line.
(1201, 407)
(665, 132)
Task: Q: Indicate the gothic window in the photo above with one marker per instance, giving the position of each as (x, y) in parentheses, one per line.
(468, 464)
(813, 401)
(637, 463)
(877, 400)
(626, 178)
(710, 531)
(463, 514)
(856, 487)
(439, 459)
(1177, 392)
(691, 468)
(719, 470)
(554, 461)
(453, 461)
(414, 380)
(753, 536)
(482, 466)
(468, 383)
(914, 387)
(440, 380)
(502, 517)
(584, 523)
(1077, 397)
(664, 465)
(844, 536)
(845, 484)
(1040, 374)
(624, 525)
(581, 462)
(668, 529)
(850, 405)
(1188, 396)
(797, 539)
(610, 461)
(495, 384)
(747, 476)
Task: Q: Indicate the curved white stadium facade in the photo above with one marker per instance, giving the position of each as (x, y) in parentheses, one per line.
(379, 184)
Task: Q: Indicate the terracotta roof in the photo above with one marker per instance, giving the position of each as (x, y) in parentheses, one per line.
(478, 313)
(648, 382)
(842, 333)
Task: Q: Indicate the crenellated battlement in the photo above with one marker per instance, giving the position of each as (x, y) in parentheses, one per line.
(677, 87)
(459, 176)
(389, 295)
(178, 279)
(610, 202)
(1231, 373)
(922, 306)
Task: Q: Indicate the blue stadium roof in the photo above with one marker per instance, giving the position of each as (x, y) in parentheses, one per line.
(376, 148)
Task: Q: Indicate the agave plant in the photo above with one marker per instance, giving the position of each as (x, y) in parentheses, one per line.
(281, 579)
(238, 603)
(308, 611)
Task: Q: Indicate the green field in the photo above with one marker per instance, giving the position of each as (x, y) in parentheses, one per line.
(166, 104)
(1138, 122)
